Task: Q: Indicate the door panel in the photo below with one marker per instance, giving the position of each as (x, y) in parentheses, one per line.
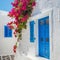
(47, 49)
(41, 38)
(43, 33)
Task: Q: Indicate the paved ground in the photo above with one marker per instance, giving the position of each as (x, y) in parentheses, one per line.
(19, 57)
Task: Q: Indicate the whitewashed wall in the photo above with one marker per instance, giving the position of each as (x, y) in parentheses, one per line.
(6, 44)
(25, 46)
(43, 6)
(31, 48)
(56, 34)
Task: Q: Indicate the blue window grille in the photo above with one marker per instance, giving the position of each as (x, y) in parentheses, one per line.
(7, 32)
(32, 31)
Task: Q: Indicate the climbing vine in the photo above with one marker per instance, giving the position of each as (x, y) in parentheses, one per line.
(21, 11)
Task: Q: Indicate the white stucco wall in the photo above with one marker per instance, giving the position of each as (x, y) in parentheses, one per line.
(25, 46)
(56, 35)
(55, 4)
(6, 44)
(30, 48)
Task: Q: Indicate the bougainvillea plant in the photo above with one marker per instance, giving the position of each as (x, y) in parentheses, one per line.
(21, 11)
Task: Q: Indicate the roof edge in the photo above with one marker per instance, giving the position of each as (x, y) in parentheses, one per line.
(2, 12)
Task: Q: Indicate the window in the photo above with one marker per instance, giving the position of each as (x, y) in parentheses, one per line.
(7, 32)
(32, 31)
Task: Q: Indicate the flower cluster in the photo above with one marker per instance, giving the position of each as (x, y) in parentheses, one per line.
(21, 11)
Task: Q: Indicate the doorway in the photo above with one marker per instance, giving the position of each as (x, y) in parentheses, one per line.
(43, 37)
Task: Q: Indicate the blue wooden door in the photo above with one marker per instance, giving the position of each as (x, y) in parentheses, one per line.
(43, 34)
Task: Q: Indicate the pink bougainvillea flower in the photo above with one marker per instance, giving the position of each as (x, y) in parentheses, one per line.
(14, 48)
(24, 19)
(10, 23)
(15, 3)
(34, 3)
(13, 11)
(25, 1)
(14, 32)
(15, 22)
(10, 14)
(16, 18)
(15, 35)
(24, 7)
(11, 27)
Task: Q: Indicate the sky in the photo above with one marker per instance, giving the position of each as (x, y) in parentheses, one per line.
(5, 5)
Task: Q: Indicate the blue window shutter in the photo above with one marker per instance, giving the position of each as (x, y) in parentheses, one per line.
(7, 32)
(32, 31)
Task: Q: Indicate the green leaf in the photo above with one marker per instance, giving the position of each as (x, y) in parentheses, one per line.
(21, 16)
